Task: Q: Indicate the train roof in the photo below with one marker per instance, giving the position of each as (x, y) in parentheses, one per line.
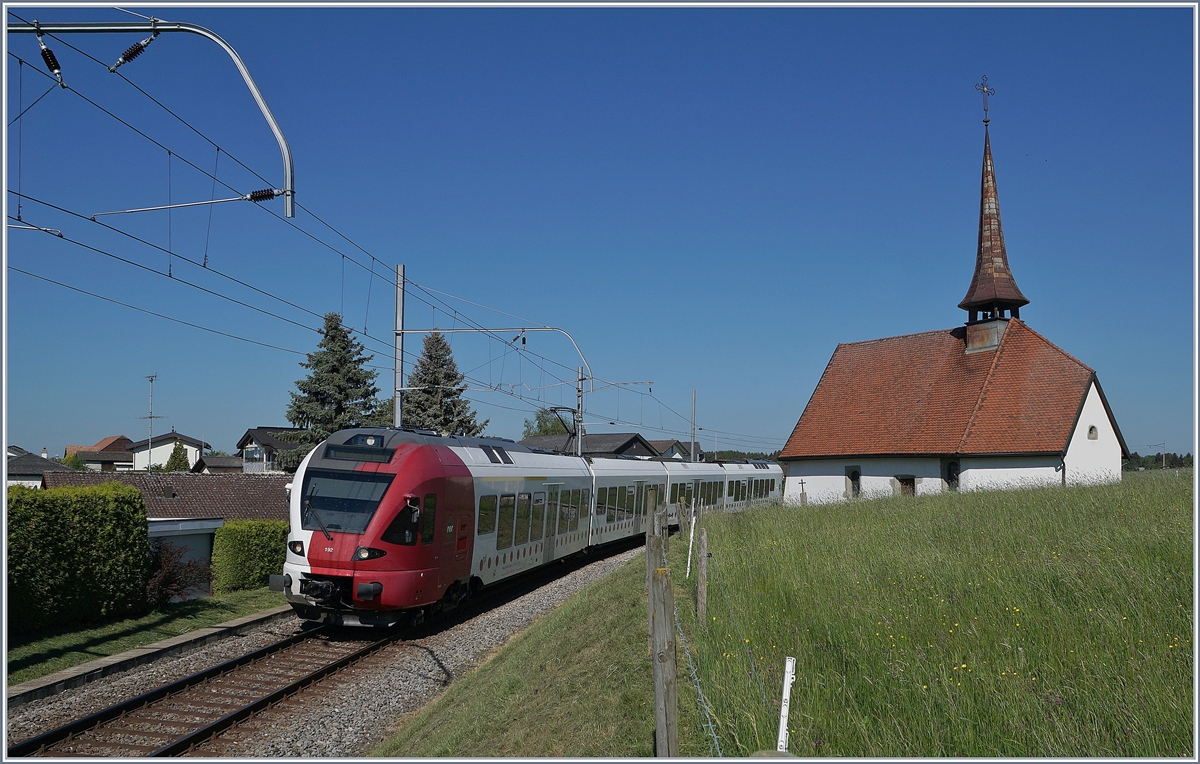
(394, 436)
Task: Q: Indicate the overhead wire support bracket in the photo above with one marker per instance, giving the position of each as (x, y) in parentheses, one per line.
(154, 28)
(253, 196)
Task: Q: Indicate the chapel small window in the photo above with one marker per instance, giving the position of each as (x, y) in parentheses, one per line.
(855, 477)
(1093, 433)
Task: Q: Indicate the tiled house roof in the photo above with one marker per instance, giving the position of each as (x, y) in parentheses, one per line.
(113, 443)
(618, 443)
(232, 496)
(662, 446)
(168, 437)
(922, 394)
(28, 464)
(106, 457)
(264, 436)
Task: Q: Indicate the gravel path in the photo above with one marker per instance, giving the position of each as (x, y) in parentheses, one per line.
(348, 713)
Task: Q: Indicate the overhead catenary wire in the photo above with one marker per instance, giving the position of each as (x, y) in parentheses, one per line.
(434, 301)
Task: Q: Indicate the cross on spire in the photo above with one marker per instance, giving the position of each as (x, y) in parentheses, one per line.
(983, 88)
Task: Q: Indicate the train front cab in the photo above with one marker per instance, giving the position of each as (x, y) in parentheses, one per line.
(381, 522)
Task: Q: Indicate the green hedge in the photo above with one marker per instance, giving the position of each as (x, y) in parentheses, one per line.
(75, 554)
(247, 552)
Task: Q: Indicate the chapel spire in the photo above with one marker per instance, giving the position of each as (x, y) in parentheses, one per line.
(993, 290)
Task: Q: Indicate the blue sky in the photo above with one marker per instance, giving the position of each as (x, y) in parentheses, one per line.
(708, 199)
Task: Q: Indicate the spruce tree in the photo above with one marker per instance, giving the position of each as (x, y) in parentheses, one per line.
(434, 399)
(338, 393)
(177, 461)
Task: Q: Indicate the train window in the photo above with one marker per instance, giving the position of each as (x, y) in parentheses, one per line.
(504, 530)
(538, 518)
(772, 485)
(552, 513)
(611, 509)
(674, 492)
(504, 457)
(491, 455)
(622, 497)
(403, 529)
(564, 511)
(586, 507)
(487, 515)
(601, 500)
(729, 490)
(523, 510)
(641, 497)
(575, 505)
(427, 518)
(341, 501)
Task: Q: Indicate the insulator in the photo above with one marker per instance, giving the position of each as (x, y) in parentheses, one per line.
(51, 62)
(133, 52)
(262, 196)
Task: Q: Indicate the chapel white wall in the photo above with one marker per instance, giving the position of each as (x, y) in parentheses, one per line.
(1093, 461)
(825, 480)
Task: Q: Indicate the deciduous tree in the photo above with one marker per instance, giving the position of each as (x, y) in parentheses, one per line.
(544, 422)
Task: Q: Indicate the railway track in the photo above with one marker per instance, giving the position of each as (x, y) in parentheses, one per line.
(188, 716)
(173, 719)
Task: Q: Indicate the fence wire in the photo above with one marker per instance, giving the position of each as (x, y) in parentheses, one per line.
(708, 723)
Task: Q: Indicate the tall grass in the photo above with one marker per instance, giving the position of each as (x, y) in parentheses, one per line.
(1047, 622)
(578, 682)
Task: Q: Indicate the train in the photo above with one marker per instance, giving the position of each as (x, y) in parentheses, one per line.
(389, 524)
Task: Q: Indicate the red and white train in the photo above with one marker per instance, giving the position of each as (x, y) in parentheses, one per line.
(389, 522)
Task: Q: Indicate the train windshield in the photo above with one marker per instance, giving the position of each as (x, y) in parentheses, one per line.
(341, 501)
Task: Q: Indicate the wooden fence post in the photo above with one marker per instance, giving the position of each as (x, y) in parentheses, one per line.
(702, 580)
(653, 560)
(662, 628)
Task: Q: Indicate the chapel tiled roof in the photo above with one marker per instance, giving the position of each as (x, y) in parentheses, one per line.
(922, 394)
(231, 496)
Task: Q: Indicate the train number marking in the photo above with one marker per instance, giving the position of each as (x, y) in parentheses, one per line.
(329, 549)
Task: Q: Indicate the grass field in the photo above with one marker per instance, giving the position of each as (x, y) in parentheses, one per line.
(1034, 623)
(1046, 622)
(577, 683)
(33, 655)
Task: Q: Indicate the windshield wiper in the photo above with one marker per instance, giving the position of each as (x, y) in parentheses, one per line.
(316, 516)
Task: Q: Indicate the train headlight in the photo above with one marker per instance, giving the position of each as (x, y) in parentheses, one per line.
(367, 553)
(297, 547)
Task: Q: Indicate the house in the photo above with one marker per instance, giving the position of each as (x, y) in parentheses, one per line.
(992, 404)
(599, 444)
(27, 469)
(258, 447)
(187, 508)
(673, 449)
(216, 465)
(109, 455)
(163, 445)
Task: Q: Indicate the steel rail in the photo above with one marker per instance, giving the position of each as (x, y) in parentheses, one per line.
(186, 743)
(58, 734)
(155, 26)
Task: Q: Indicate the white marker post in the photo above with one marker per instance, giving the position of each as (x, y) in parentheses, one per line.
(789, 675)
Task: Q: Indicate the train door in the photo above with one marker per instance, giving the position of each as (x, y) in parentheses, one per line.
(458, 539)
(551, 520)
